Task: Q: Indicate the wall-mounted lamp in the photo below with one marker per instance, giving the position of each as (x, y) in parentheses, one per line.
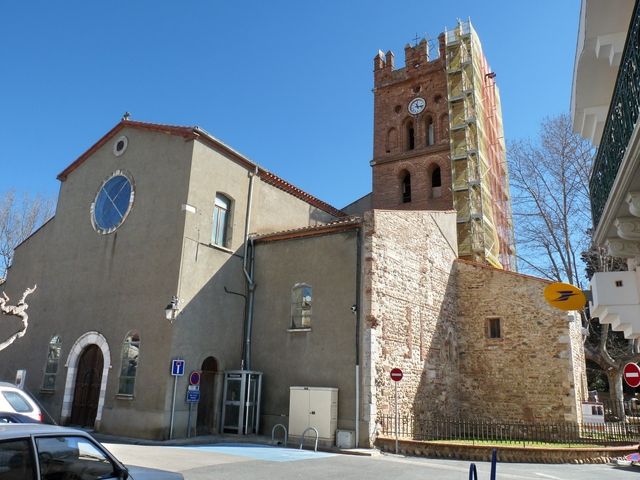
(171, 310)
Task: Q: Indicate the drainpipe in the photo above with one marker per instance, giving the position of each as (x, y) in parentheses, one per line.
(252, 286)
(246, 354)
(358, 305)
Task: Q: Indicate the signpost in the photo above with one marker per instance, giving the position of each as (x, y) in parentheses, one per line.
(396, 376)
(193, 395)
(631, 374)
(177, 370)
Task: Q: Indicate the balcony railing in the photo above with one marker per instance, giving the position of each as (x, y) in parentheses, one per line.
(620, 122)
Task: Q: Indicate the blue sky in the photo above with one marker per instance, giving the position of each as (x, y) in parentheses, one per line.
(287, 83)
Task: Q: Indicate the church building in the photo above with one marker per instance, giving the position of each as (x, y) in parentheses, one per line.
(170, 252)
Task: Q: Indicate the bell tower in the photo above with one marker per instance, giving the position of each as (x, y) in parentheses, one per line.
(411, 151)
(438, 141)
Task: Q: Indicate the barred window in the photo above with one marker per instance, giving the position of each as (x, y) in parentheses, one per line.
(129, 368)
(493, 328)
(53, 361)
(301, 298)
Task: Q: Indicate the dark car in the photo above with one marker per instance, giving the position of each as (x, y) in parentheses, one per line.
(11, 417)
(49, 452)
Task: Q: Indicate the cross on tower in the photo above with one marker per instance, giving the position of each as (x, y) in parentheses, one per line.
(417, 39)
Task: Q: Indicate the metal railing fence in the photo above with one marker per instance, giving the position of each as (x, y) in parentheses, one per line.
(486, 432)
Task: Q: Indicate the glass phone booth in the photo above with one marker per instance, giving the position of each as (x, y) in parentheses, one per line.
(241, 401)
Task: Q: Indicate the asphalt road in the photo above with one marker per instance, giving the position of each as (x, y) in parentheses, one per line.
(260, 462)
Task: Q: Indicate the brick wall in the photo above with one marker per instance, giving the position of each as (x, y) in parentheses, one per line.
(393, 90)
(535, 370)
(387, 182)
(409, 305)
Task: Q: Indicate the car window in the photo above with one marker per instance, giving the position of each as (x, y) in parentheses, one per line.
(17, 402)
(72, 457)
(16, 462)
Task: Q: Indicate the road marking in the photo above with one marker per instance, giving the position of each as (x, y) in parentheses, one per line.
(258, 452)
(548, 476)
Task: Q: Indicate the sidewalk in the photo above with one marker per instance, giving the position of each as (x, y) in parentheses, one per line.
(226, 438)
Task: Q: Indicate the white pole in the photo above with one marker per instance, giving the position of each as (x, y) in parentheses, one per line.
(357, 443)
(173, 405)
(397, 417)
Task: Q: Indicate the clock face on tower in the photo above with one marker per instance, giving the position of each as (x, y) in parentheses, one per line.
(416, 105)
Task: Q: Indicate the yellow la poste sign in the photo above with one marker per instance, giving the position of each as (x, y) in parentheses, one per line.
(564, 296)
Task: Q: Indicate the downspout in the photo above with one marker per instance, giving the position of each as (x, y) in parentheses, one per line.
(357, 312)
(246, 354)
(251, 286)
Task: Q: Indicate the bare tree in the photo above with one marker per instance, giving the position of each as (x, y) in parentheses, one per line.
(550, 200)
(20, 311)
(19, 218)
(551, 208)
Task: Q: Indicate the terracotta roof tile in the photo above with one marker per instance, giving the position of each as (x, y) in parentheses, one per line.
(348, 223)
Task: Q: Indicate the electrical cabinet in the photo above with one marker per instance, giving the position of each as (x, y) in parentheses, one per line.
(313, 407)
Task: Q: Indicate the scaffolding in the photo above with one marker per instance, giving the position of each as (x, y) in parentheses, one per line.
(478, 159)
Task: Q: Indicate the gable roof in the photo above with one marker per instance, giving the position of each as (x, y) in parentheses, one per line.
(197, 133)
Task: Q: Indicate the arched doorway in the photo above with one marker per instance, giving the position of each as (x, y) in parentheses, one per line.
(207, 406)
(86, 393)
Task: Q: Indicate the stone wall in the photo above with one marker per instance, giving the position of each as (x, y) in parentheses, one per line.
(409, 307)
(534, 371)
(579, 363)
(482, 453)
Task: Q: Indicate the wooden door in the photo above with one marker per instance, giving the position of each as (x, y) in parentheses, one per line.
(206, 414)
(86, 394)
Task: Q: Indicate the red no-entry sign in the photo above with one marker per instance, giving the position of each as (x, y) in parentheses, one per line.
(396, 374)
(631, 374)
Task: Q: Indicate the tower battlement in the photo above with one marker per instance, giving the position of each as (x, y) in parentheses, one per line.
(416, 57)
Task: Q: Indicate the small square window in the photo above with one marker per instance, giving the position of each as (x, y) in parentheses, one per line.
(618, 283)
(493, 328)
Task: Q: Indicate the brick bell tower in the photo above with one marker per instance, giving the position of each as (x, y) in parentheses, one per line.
(411, 150)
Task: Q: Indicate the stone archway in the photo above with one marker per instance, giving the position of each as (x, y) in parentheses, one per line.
(72, 363)
(208, 411)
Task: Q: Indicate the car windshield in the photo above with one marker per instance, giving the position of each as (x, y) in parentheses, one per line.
(17, 402)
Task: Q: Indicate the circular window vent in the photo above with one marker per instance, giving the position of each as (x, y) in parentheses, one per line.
(120, 145)
(112, 203)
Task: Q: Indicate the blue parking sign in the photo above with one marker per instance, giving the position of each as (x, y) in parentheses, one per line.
(177, 368)
(193, 393)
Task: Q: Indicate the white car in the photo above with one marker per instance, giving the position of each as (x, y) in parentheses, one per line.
(31, 451)
(12, 399)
